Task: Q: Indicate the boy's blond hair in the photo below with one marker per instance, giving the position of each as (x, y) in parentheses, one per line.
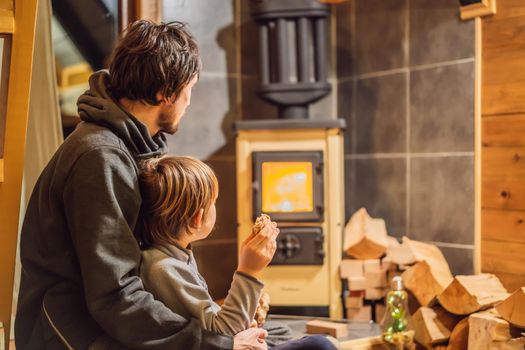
(173, 190)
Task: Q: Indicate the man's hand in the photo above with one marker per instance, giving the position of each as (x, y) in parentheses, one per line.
(257, 249)
(250, 339)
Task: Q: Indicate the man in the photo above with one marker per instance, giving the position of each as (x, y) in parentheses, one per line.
(79, 286)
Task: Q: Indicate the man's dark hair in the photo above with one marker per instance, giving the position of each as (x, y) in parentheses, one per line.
(151, 58)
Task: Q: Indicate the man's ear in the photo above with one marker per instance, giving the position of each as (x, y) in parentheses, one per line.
(170, 99)
(196, 220)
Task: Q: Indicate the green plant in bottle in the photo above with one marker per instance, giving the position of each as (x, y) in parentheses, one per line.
(395, 324)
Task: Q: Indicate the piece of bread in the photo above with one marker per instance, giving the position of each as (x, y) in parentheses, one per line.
(262, 309)
(260, 222)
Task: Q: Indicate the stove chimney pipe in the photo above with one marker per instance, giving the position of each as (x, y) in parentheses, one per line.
(292, 53)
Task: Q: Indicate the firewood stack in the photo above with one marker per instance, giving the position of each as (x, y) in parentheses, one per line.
(453, 313)
(366, 240)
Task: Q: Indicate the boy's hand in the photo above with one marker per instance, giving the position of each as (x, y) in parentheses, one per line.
(257, 249)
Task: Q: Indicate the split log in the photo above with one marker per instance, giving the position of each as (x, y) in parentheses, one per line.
(365, 237)
(351, 268)
(468, 294)
(410, 252)
(488, 331)
(512, 309)
(459, 337)
(428, 329)
(427, 281)
(432, 326)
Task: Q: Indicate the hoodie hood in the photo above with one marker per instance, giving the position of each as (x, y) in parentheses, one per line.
(98, 106)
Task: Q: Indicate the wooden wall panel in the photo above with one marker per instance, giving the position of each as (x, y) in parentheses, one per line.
(503, 66)
(503, 194)
(506, 257)
(504, 130)
(503, 144)
(499, 162)
(504, 225)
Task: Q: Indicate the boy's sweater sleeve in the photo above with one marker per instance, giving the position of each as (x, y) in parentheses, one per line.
(177, 286)
(102, 202)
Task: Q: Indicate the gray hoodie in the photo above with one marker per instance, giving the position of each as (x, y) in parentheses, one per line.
(79, 254)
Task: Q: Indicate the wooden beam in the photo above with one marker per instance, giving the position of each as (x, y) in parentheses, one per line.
(7, 21)
(14, 151)
(477, 143)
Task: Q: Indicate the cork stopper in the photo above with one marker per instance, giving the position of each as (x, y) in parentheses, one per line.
(397, 283)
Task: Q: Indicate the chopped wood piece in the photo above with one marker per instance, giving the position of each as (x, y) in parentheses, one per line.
(426, 281)
(375, 279)
(370, 343)
(459, 337)
(410, 252)
(512, 309)
(336, 330)
(351, 268)
(468, 294)
(354, 302)
(375, 293)
(364, 236)
(388, 265)
(357, 283)
(372, 265)
(432, 327)
(488, 331)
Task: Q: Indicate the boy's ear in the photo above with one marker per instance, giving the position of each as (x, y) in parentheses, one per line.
(196, 220)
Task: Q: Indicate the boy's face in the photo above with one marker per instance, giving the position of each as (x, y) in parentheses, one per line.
(172, 111)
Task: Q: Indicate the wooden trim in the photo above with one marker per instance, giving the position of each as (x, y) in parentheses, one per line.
(1, 170)
(335, 194)
(477, 145)
(15, 134)
(7, 21)
(149, 9)
(483, 8)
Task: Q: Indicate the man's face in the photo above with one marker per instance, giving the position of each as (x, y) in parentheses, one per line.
(172, 111)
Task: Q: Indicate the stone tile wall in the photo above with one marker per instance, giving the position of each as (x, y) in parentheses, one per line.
(406, 88)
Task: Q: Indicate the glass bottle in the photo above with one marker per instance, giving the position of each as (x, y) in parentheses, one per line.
(395, 323)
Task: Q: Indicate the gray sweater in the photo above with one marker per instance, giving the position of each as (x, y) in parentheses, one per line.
(79, 254)
(170, 273)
